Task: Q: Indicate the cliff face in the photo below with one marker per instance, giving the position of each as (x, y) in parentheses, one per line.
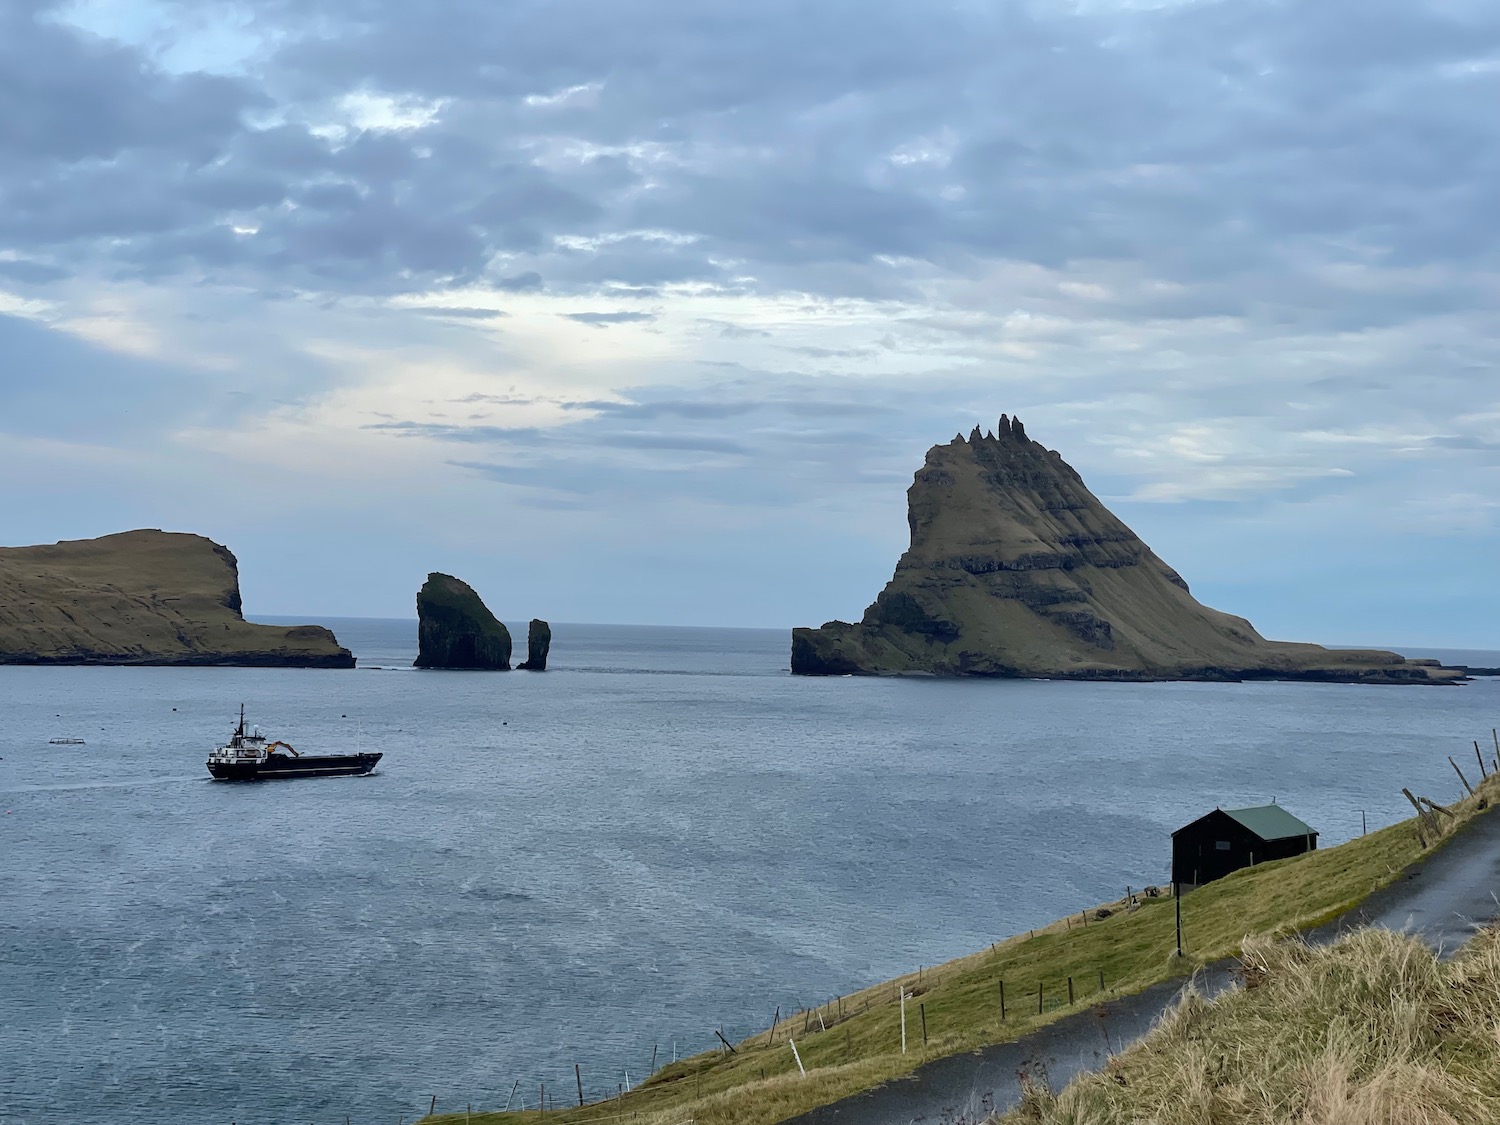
(142, 597)
(456, 630)
(538, 644)
(1016, 569)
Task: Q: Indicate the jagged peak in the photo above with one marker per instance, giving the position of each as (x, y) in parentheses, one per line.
(1008, 427)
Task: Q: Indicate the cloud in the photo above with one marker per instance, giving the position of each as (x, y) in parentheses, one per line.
(1199, 143)
(605, 319)
(734, 331)
(816, 352)
(520, 283)
(30, 273)
(459, 311)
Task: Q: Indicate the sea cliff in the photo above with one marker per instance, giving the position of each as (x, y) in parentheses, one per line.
(1016, 569)
(142, 597)
(455, 629)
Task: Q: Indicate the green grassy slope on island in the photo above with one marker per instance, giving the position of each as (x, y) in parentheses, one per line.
(142, 597)
(854, 1043)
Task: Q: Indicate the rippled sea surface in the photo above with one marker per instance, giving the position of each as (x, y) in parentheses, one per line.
(663, 835)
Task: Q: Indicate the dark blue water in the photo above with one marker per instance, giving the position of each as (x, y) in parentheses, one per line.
(663, 835)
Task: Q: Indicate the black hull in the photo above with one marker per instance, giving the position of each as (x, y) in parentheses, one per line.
(282, 768)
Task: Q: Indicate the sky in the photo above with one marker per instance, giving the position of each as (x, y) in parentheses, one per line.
(647, 311)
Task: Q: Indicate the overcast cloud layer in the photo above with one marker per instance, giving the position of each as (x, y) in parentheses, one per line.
(648, 311)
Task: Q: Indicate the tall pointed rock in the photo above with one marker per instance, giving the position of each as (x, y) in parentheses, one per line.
(1016, 569)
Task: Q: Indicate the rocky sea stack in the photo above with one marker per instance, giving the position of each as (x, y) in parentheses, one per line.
(142, 597)
(1015, 569)
(538, 644)
(456, 630)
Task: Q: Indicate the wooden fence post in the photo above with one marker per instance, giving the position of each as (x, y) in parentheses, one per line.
(1460, 773)
(1427, 819)
(1070, 992)
(578, 1074)
(923, 1009)
(1002, 1001)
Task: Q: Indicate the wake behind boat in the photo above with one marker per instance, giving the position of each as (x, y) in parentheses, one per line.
(249, 757)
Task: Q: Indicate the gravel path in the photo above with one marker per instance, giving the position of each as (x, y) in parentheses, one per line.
(1444, 899)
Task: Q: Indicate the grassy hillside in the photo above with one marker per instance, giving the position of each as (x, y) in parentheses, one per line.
(1371, 1029)
(141, 597)
(855, 1043)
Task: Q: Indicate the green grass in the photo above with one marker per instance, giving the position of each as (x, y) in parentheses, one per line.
(759, 1083)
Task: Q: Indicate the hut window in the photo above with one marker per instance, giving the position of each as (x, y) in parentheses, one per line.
(1222, 845)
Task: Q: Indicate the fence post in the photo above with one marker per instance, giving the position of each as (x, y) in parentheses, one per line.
(903, 1021)
(1038, 997)
(1002, 1001)
(1070, 992)
(578, 1074)
(923, 1008)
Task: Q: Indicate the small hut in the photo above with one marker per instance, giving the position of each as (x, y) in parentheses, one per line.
(1227, 839)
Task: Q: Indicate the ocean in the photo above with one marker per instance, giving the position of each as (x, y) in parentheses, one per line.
(663, 835)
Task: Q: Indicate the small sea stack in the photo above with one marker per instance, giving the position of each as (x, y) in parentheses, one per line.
(455, 629)
(538, 644)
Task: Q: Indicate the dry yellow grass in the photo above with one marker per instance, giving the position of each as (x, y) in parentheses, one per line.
(856, 1044)
(1373, 1030)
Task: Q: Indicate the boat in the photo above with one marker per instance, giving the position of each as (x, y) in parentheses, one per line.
(248, 756)
(66, 742)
